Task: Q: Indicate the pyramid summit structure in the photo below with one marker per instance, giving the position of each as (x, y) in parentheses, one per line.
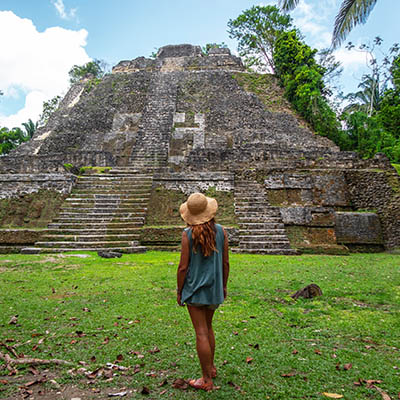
(129, 147)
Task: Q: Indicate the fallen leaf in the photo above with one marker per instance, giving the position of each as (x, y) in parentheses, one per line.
(346, 367)
(237, 387)
(224, 362)
(120, 357)
(3, 381)
(33, 371)
(13, 320)
(86, 309)
(289, 374)
(317, 351)
(106, 340)
(249, 360)
(333, 395)
(180, 384)
(384, 395)
(163, 383)
(53, 290)
(119, 394)
(93, 359)
(235, 333)
(163, 392)
(295, 351)
(155, 350)
(371, 382)
(108, 373)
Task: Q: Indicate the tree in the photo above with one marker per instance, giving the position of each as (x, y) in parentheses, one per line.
(10, 139)
(95, 69)
(49, 107)
(351, 13)
(256, 29)
(30, 128)
(302, 77)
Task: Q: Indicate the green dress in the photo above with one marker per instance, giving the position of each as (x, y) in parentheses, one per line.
(204, 279)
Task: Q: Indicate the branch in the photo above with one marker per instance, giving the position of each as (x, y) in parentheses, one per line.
(10, 362)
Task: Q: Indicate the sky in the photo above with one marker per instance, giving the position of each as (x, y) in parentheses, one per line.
(42, 39)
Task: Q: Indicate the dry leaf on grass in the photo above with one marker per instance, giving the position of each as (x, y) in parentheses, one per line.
(384, 395)
(249, 360)
(333, 395)
(180, 384)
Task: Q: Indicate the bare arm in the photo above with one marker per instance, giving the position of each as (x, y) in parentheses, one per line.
(183, 265)
(225, 263)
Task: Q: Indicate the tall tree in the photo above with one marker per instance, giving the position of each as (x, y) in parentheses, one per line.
(30, 127)
(95, 68)
(256, 29)
(351, 13)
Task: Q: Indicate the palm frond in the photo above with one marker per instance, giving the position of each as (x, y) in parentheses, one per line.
(351, 13)
(288, 5)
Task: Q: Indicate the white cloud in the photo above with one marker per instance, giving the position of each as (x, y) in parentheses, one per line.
(36, 64)
(62, 12)
(352, 59)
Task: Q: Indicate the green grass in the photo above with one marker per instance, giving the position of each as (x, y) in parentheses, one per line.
(397, 167)
(357, 321)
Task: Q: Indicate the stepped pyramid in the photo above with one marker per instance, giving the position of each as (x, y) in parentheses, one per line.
(184, 121)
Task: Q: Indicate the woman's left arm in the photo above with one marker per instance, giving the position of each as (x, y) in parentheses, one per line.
(183, 266)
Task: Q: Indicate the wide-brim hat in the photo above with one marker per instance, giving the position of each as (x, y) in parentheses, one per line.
(198, 209)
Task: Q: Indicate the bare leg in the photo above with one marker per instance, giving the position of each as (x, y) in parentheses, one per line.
(211, 339)
(204, 349)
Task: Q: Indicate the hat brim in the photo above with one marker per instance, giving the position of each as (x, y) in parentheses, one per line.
(205, 216)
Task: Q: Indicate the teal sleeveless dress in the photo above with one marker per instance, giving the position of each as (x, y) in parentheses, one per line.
(204, 278)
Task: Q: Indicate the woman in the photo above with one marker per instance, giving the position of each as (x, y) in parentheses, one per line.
(202, 277)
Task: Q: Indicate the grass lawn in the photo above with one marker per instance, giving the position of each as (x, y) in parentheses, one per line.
(93, 311)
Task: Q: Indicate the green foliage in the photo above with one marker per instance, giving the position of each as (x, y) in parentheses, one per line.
(302, 78)
(256, 30)
(206, 49)
(49, 107)
(30, 127)
(94, 69)
(10, 139)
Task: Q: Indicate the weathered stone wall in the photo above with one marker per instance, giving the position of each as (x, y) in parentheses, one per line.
(378, 190)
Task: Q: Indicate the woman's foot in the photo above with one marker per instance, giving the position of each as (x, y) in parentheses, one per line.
(213, 372)
(201, 384)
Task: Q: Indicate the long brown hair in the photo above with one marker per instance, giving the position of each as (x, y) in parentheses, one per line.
(204, 235)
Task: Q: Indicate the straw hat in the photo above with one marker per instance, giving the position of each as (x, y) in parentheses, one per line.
(198, 209)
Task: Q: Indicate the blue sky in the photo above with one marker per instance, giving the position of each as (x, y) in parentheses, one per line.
(43, 39)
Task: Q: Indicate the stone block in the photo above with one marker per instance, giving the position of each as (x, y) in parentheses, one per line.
(358, 228)
(296, 215)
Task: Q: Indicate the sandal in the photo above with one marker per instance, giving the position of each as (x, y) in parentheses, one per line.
(200, 384)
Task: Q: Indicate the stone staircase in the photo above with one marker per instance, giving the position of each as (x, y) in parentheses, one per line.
(261, 229)
(156, 125)
(104, 212)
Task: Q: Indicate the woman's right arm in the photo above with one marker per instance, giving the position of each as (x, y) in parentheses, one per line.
(183, 266)
(225, 263)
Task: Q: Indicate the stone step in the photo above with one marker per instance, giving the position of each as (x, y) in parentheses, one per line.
(94, 232)
(255, 206)
(98, 219)
(258, 232)
(250, 226)
(91, 238)
(262, 238)
(92, 207)
(40, 250)
(258, 213)
(258, 218)
(81, 201)
(265, 245)
(111, 186)
(286, 252)
(116, 178)
(108, 196)
(86, 245)
(110, 191)
(96, 225)
(101, 212)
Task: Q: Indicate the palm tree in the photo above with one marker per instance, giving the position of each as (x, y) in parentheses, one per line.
(368, 98)
(30, 128)
(351, 13)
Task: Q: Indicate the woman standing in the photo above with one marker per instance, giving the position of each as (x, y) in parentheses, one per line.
(202, 277)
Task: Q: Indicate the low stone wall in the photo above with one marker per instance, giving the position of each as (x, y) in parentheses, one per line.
(378, 190)
(13, 240)
(17, 185)
(359, 231)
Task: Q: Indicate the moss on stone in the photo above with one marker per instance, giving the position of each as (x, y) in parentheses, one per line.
(34, 210)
